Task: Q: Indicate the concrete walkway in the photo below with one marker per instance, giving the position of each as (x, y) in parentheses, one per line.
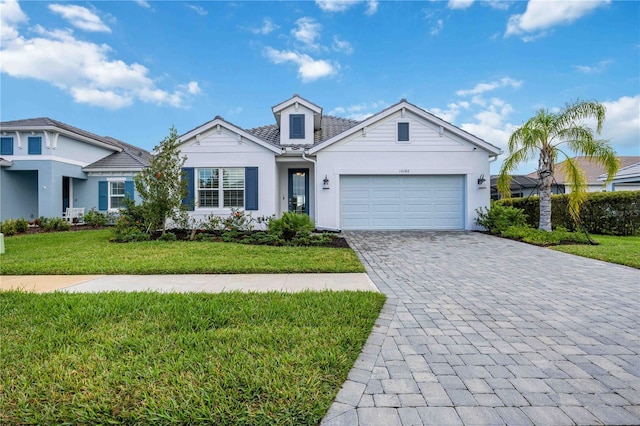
(187, 283)
(482, 330)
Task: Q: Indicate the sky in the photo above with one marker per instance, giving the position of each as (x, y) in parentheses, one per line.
(133, 69)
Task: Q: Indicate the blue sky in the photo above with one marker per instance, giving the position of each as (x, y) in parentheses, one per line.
(132, 69)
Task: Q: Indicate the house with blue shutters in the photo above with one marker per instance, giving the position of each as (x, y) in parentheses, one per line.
(47, 166)
(402, 168)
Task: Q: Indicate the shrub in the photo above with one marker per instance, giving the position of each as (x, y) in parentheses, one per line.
(22, 225)
(54, 224)
(238, 220)
(613, 213)
(498, 218)
(291, 225)
(95, 219)
(168, 236)
(8, 227)
(544, 238)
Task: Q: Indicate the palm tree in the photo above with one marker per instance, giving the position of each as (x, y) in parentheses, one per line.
(544, 135)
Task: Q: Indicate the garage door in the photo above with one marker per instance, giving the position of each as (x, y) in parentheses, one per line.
(402, 202)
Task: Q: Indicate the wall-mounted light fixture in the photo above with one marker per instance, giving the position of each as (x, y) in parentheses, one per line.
(325, 182)
(481, 179)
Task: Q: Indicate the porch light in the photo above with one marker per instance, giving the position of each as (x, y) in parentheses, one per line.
(325, 182)
(481, 179)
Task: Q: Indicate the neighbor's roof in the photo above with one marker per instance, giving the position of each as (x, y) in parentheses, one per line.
(591, 168)
(130, 158)
(517, 181)
(631, 171)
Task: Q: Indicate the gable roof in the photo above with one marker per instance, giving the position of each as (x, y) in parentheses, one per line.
(630, 173)
(494, 150)
(219, 121)
(591, 168)
(330, 126)
(131, 158)
(297, 99)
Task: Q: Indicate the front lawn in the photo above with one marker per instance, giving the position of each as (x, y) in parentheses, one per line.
(90, 252)
(195, 358)
(621, 250)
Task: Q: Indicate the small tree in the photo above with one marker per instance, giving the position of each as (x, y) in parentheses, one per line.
(162, 186)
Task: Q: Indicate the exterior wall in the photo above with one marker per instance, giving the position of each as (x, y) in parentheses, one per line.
(18, 194)
(226, 149)
(85, 192)
(308, 125)
(65, 149)
(377, 152)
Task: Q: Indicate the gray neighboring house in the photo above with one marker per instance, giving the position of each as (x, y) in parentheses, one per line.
(47, 166)
(522, 186)
(627, 179)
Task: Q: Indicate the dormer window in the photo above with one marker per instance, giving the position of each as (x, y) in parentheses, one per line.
(296, 126)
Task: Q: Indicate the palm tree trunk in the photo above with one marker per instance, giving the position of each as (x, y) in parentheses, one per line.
(545, 173)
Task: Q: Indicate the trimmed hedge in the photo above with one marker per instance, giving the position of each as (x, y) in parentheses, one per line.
(608, 213)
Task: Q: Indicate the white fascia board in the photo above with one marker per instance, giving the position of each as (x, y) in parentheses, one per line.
(493, 150)
(231, 127)
(111, 169)
(313, 107)
(41, 129)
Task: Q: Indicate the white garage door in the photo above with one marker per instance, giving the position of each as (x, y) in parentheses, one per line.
(402, 202)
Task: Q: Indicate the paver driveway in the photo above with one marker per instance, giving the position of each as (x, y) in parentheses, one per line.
(482, 330)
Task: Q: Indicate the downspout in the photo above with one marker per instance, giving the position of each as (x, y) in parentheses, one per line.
(315, 183)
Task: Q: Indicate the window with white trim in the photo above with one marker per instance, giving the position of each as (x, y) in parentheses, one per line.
(220, 187)
(116, 195)
(403, 132)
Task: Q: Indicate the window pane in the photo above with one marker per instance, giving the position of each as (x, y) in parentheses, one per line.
(117, 202)
(233, 178)
(117, 188)
(208, 178)
(233, 198)
(403, 132)
(208, 198)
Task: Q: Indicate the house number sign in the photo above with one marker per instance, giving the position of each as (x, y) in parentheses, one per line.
(404, 171)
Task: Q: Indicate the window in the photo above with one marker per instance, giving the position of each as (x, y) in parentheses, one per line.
(6, 146)
(220, 187)
(116, 195)
(296, 126)
(35, 145)
(403, 132)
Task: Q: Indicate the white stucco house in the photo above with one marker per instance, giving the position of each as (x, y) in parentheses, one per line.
(402, 168)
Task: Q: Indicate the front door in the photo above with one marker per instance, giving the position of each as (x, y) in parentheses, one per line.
(66, 193)
(299, 190)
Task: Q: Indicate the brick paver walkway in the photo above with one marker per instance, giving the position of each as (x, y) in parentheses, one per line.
(481, 330)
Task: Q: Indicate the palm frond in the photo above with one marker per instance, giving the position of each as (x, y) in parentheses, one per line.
(509, 165)
(578, 181)
(582, 110)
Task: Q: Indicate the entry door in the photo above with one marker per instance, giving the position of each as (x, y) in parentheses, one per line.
(299, 190)
(66, 193)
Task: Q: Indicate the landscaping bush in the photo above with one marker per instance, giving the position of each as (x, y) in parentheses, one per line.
(8, 227)
(498, 218)
(609, 213)
(291, 225)
(50, 224)
(544, 238)
(95, 219)
(22, 225)
(168, 236)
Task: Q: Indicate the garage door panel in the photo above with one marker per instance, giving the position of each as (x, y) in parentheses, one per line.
(402, 202)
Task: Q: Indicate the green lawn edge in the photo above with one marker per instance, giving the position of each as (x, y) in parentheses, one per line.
(91, 253)
(613, 249)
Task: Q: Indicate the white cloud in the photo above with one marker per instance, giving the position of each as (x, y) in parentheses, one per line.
(451, 112)
(267, 27)
(486, 87)
(342, 46)
(542, 15)
(343, 5)
(83, 69)
(143, 3)
(309, 69)
(80, 17)
(435, 30)
(199, 9)
(622, 124)
(307, 31)
(593, 69)
(459, 4)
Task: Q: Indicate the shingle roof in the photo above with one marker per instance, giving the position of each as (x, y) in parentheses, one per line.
(127, 156)
(517, 181)
(330, 126)
(591, 168)
(630, 171)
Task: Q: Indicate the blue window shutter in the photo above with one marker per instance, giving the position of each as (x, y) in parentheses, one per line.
(128, 189)
(103, 195)
(403, 132)
(6, 146)
(188, 173)
(296, 126)
(35, 145)
(251, 188)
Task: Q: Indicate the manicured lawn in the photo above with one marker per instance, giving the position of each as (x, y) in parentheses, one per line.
(90, 252)
(151, 358)
(621, 250)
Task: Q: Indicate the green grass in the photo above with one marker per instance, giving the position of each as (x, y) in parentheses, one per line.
(621, 250)
(151, 358)
(90, 252)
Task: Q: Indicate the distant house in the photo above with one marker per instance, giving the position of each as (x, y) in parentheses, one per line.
(402, 168)
(47, 166)
(627, 179)
(592, 172)
(522, 186)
